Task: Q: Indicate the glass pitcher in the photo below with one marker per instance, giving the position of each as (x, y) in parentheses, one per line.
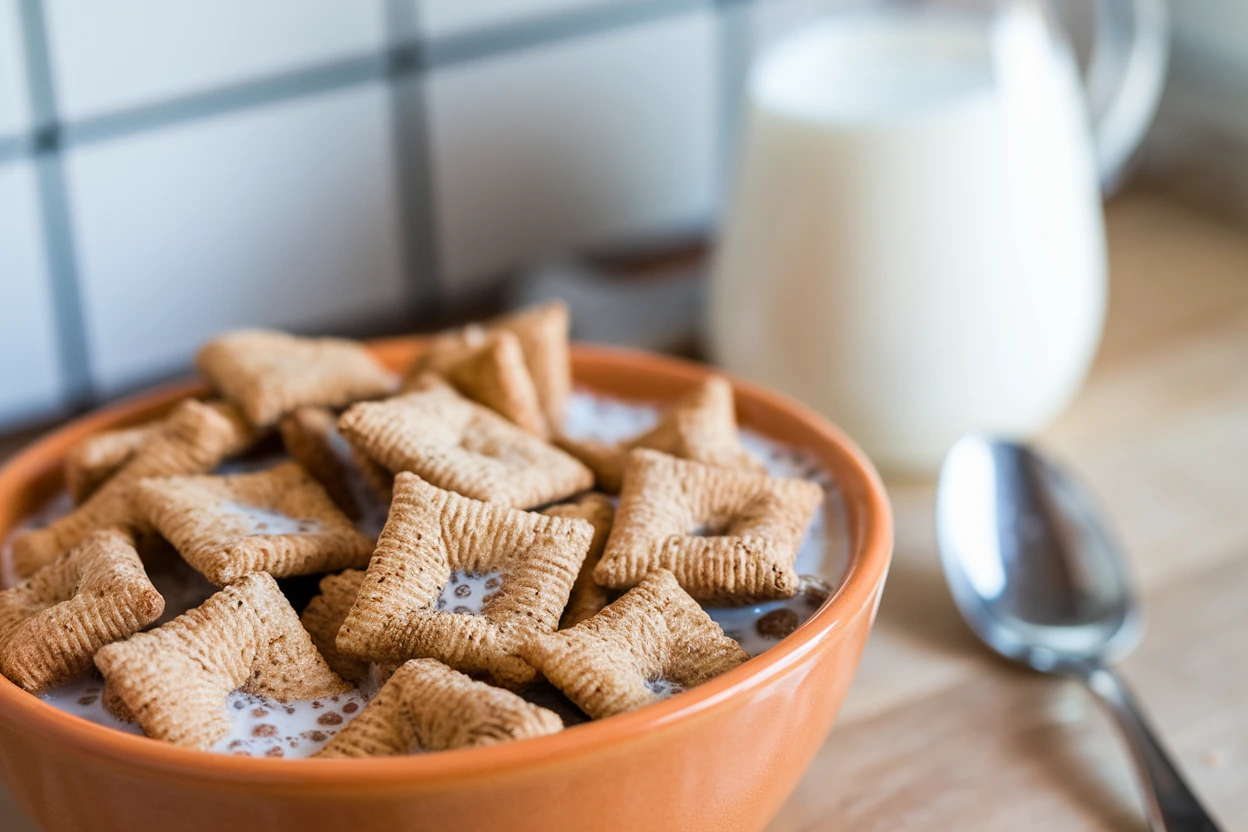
(915, 243)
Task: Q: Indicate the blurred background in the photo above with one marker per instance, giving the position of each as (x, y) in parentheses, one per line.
(171, 170)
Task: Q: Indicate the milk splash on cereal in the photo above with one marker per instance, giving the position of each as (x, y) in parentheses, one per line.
(264, 727)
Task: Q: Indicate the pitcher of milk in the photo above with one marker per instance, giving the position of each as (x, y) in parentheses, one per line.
(915, 243)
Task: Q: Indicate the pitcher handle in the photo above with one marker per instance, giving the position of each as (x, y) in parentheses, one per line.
(1125, 79)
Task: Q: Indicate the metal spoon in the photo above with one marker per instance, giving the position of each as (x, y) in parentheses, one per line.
(1038, 577)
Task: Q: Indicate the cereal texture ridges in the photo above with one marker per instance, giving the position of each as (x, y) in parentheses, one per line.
(700, 426)
(587, 598)
(194, 438)
(462, 446)
(653, 641)
(491, 372)
(432, 533)
(729, 537)
(224, 525)
(427, 706)
(175, 680)
(52, 624)
(270, 374)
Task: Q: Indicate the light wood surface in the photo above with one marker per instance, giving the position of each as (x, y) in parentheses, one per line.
(936, 734)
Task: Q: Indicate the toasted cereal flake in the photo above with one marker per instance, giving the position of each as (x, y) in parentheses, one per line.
(430, 535)
(196, 437)
(175, 680)
(700, 426)
(729, 537)
(323, 618)
(278, 521)
(651, 643)
(461, 446)
(52, 625)
(427, 706)
(311, 437)
(270, 374)
(587, 597)
(491, 372)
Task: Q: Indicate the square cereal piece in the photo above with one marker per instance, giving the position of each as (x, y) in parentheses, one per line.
(195, 438)
(269, 374)
(543, 335)
(587, 598)
(278, 521)
(427, 706)
(461, 446)
(729, 537)
(701, 426)
(356, 484)
(491, 372)
(175, 680)
(649, 644)
(464, 582)
(52, 624)
(95, 459)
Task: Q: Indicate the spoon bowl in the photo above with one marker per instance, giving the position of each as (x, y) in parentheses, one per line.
(1030, 563)
(1039, 578)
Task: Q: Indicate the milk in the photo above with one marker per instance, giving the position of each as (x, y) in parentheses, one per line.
(915, 246)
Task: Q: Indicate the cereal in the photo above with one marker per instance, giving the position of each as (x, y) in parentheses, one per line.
(195, 438)
(700, 426)
(278, 521)
(93, 460)
(430, 535)
(492, 373)
(175, 680)
(52, 625)
(269, 374)
(587, 597)
(460, 445)
(652, 642)
(543, 334)
(311, 437)
(323, 618)
(427, 706)
(728, 536)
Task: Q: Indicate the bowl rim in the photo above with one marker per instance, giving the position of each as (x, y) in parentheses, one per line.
(858, 593)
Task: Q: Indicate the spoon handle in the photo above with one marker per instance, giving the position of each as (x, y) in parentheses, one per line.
(1171, 805)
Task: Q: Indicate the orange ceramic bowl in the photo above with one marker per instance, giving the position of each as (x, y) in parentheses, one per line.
(723, 756)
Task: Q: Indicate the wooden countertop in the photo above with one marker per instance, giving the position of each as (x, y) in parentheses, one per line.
(936, 734)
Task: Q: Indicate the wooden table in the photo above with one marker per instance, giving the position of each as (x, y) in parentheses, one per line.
(936, 734)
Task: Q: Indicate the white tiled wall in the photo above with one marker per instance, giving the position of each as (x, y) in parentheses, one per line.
(588, 140)
(453, 17)
(30, 377)
(122, 53)
(282, 216)
(14, 109)
(289, 213)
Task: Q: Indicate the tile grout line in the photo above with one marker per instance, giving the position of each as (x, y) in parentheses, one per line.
(397, 61)
(412, 154)
(62, 265)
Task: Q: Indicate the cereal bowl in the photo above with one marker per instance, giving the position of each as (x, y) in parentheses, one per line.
(722, 756)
